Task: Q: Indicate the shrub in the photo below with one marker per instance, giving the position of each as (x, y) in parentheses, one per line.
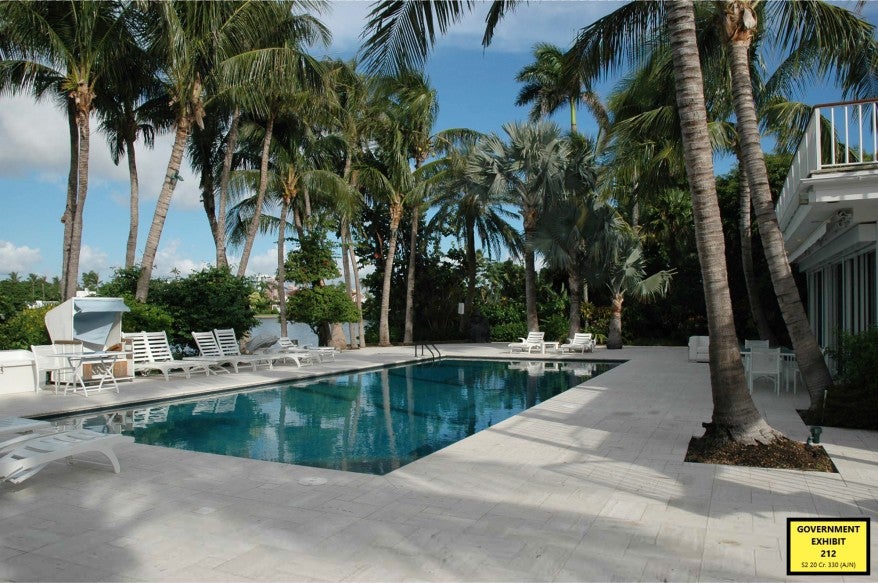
(147, 317)
(26, 327)
(853, 401)
(320, 306)
(508, 332)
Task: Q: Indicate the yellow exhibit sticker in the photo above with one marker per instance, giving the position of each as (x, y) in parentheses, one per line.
(828, 546)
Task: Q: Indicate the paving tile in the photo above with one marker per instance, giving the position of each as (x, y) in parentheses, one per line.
(589, 486)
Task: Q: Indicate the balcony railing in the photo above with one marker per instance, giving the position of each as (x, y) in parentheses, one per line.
(839, 136)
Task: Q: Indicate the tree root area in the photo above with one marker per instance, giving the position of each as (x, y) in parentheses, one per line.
(783, 453)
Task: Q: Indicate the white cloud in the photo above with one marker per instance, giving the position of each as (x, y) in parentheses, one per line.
(18, 259)
(169, 259)
(92, 259)
(35, 140)
(264, 263)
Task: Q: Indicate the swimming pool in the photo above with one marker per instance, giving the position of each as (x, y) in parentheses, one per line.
(370, 422)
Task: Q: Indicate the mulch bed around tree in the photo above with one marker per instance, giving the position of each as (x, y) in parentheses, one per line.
(784, 454)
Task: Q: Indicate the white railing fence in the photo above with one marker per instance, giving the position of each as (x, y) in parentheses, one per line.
(838, 136)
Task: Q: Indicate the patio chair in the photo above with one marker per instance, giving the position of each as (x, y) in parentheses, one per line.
(59, 369)
(153, 352)
(533, 341)
(228, 345)
(24, 456)
(764, 363)
(756, 344)
(581, 342)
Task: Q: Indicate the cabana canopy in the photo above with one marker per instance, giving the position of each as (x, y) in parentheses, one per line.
(96, 322)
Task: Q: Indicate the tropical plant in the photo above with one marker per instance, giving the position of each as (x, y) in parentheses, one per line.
(624, 271)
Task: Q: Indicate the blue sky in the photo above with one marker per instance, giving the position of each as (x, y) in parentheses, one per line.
(476, 89)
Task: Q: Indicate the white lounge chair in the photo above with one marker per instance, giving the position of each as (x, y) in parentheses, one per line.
(291, 351)
(581, 342)
(534, 341)
(24, 456)
(228, 345)
(153, 352)
(209, 350)
(323, 352)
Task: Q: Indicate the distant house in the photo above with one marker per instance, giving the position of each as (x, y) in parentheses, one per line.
(828, 211)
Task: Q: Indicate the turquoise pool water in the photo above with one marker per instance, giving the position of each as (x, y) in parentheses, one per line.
(371, 422)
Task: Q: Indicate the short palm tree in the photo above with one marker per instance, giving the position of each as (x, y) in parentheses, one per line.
(624, 271)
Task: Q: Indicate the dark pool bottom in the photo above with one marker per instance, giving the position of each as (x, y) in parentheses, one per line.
(372, 422)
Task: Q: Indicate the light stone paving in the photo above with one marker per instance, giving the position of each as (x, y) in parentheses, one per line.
(588, 486)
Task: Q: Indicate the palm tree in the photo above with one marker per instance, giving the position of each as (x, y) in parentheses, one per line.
(289, 81)
(531, 167)
(197, 43)
(624, 270)
(414, 107)
(835, 39)
(62, 49)
(549, 84)
(469, 208)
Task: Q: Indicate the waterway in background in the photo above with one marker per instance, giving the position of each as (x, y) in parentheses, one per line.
(270, 326)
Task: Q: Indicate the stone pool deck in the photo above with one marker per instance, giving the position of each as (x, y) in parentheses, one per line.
(588, 486)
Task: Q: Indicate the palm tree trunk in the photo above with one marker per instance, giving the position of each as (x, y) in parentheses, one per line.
(281, 265)
(357, 290)
(530, 273)
(746, 229)
(574, 282)
(134, 221)
(572, 103)
(410, 279)
(814, 370)
(260, 198)
(384, 319)
(735, 417)
(82, 190)
(219, 236)
(161, 208)
(614, 334)
(470, 275)
(346, 269)
(70, 207)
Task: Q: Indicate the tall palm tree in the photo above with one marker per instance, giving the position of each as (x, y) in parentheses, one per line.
(289, 80)
(735, 416)
(415, 108)
(196, 44)
(549, 84)
(131, 108)
(62, 49)
(835, 38)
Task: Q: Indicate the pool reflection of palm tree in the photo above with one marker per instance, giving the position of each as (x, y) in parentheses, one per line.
(393, 454)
